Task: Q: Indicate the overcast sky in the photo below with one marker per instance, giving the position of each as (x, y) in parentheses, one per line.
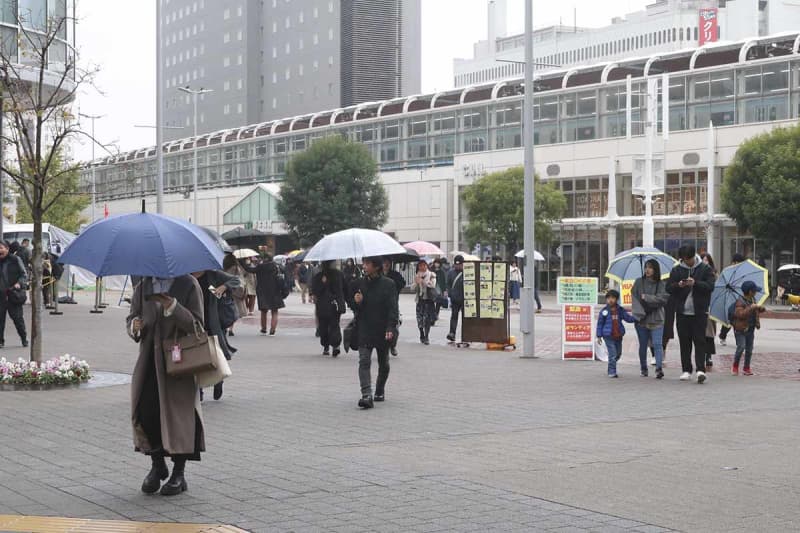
(120, 39)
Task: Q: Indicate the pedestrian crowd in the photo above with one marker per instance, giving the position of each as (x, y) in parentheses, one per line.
(681, 303)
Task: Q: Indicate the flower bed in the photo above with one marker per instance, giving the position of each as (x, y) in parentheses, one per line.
(64, 370)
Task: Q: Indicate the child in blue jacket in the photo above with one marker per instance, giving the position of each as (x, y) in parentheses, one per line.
(610, 329)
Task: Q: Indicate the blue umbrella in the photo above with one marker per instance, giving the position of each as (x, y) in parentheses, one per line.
(143, 244)
(629, 265)
(728, 288)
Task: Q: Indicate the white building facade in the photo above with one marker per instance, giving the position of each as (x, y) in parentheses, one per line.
(430, 147)
(664, 26)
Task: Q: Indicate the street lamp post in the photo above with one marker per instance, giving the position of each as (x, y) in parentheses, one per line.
(527, 321)
(194, 93)
(159, 112)
(94, 181)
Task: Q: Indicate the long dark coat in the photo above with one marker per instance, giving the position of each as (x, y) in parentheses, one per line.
(211, 305)
(180, 415)
(268, 285)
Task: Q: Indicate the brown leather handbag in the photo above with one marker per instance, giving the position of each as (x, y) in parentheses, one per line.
(191, 354)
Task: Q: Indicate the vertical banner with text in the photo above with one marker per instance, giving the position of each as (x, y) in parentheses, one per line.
(577, 297)
(709, 25)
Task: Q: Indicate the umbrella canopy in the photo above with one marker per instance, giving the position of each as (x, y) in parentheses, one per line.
(143, 244)
(425, 248)
(222, 243)
(293, 253)
(629, 265)
(410, 256)
(536, 255)
(242, 233)
(467, 256)
(245, 253)
(789, 267)
(354, 243)
(300, 257)
(728, 288)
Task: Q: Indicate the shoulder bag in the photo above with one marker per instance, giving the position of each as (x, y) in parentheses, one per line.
(190, 354)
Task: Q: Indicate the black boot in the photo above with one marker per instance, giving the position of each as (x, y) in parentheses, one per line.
(427, 336)
(176, 483)
(218, 391)
(158, 473)
(422, 335)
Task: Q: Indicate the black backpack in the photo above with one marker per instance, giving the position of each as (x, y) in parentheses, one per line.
(228, 312)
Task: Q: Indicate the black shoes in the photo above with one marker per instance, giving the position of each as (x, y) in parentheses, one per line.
(644, 373)
(176, 483)
(263, 332)
(326, 351)
(366, 402)
(451, 337)
(336, 352)
(218, 391)
(659, 373)
(230, 333)
(393, 350)
(379, 398)
(153, 479)
(24, 343)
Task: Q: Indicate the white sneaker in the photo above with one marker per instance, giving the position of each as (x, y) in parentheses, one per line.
(701, 377)
(686, 376)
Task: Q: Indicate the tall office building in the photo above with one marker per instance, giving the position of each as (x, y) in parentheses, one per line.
(281, 58)
(663, 26)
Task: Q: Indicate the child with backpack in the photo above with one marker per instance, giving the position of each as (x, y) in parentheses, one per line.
(610, 329)
(743, 316)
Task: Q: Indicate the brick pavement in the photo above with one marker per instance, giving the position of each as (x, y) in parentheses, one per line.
(468, 440)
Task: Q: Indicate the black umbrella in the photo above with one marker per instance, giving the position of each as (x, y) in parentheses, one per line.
(411, 256)
(242, 233)
(223, 244)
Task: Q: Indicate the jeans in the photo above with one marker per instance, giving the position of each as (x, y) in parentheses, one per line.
(723, 332)
(614, 347)
(744, 343)
(16, 314)
(692, 331)
(455, 312)
(364, 367)
(646, 336)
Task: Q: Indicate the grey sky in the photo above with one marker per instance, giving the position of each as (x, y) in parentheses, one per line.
(120, 39)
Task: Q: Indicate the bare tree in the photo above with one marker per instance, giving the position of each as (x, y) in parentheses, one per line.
(39, 80)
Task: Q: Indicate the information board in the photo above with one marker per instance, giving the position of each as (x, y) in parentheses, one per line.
(485, 314)
(575, 290)
(577, 340)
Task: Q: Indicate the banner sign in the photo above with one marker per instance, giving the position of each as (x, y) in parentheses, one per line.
(709, 25)
(577, 341)
(625, 292)
(573, 290)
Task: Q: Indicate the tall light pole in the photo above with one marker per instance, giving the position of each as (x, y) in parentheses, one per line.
(159, 113)
(194, 93)
(527, 320)
(94, 181)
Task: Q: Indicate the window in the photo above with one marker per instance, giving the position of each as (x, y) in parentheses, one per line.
(301, 18)
(288, 23)
(330, 61)
(226, 38)
(288, 48)
(300, 69)
(239, 59)
(330, 34)
(274, 77)
(274, 52)
(226, 61)
(239, 108)
(316, 38)
(226, 14)
(239, 11)
(226, 86)
(316, 12)
(226, 109)
(274, 27)
(239, 35)
(240, 84)
(288, 73)
(300, 44)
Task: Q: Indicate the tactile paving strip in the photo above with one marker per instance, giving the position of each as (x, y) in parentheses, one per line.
(46, 524)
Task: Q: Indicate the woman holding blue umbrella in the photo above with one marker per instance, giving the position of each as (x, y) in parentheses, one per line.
(649, 296)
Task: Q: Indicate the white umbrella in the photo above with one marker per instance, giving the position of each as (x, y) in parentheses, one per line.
(467, 256)
(536, 255)
(244, 253)
(355, 243)
(788, 267)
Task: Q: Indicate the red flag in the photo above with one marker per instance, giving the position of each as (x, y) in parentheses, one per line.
(709, 28)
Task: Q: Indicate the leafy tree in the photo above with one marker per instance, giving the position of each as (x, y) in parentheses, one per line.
(65, 211)
(330, 187)
(495, 204)
(37, 98)
(761, 189)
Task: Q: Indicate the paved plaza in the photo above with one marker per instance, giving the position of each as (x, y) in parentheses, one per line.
(468, 439)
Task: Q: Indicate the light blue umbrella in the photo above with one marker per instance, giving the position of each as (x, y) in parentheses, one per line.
(629, 265)
(143, 244)
(728, 288)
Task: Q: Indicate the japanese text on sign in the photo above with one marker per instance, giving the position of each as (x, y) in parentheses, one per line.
(627, 292)
(573, 290)
(578, 323)
(709, 28)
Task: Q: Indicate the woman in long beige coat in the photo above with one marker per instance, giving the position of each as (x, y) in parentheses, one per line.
(165, 410)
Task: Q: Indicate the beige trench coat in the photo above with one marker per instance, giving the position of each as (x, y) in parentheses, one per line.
(178, 396)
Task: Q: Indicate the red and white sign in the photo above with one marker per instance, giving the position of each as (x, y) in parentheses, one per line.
(709, 25)
(577, 341)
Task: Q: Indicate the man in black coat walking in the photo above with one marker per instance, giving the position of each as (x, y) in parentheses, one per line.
(690, 285)
(327, 290)
(13, 284)
(400, 284)
(375, 304)
(455, 291)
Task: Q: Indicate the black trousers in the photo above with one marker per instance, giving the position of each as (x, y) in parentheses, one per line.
(15, 312)
(723, 332)
(330, 331)
(364, 369)
(455, 312)
(692, 332)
